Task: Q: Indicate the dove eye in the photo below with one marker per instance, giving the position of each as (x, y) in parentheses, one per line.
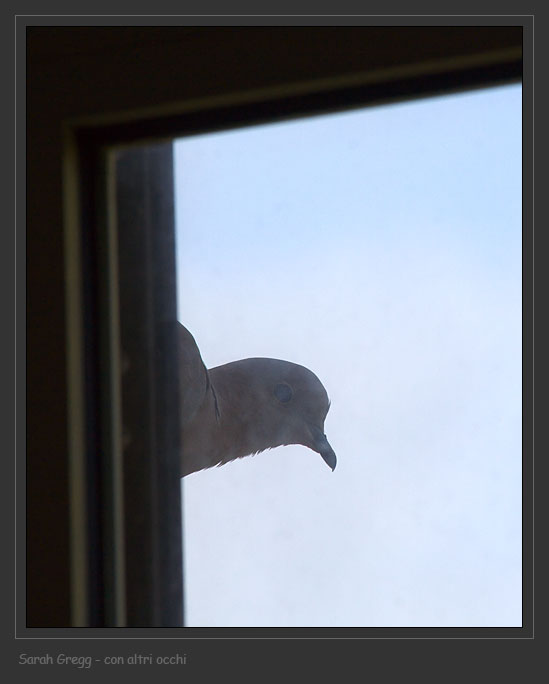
(283, 392)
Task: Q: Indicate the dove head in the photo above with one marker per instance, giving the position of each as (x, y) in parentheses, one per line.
(275, 403)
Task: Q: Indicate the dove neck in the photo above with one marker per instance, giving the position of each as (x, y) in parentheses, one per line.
(243, 428)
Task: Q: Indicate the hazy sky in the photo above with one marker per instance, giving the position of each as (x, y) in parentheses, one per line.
(381, 248)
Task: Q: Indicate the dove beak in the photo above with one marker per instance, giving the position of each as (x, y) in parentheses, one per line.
(329, 456)
(322, 446)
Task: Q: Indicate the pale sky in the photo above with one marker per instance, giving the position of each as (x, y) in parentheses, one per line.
(381, 248)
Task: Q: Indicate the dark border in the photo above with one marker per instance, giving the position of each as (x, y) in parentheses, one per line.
(237, 653)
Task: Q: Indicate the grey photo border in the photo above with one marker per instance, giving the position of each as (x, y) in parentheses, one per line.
(204, 635)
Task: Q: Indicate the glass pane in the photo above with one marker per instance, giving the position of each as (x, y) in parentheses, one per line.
(381, 249)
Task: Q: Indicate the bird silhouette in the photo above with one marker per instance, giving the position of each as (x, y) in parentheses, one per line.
(247, 406)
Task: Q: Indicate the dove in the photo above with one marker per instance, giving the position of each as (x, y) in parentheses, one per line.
(244, 407)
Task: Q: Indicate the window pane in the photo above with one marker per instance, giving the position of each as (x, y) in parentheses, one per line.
(381, 249)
